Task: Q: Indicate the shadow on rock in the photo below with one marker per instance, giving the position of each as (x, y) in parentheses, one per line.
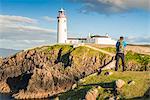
(73, 94)
(20, 82)
(103, 84)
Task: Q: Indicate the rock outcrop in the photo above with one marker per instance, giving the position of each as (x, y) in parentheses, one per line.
(119, 83)
(92, 94)
(46, 71)
(4, 87)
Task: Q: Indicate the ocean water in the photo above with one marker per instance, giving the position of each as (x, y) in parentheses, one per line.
(8, 97)
(5, 97)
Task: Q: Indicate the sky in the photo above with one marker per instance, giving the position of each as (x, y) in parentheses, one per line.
(29, 23)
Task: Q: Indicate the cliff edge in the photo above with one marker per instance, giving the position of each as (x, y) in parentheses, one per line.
(49, 70)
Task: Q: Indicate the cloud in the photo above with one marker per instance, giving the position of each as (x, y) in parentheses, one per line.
(22, 44)
(49, 19)
(24, 28)
(139, 39)
(7, 19)
(112, 6)
(23, 32)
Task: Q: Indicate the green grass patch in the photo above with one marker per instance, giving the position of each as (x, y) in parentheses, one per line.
(141, 79)
(110, 49)
(75, 94)
(140, 60)
(81, 50)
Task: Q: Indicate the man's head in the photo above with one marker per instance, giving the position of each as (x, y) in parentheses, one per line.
(121, 38)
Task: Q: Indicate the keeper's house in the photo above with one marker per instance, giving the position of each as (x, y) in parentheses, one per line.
(95, 39)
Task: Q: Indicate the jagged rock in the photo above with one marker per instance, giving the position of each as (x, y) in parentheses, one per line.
(109, 66)
(4, 88)
(119, 83)
(74, 86)
(50, 69)
(134, 66)
(99, 87)
(92, 94)
(31, 95)
(56, 98)
(113, 98)
(81, 81)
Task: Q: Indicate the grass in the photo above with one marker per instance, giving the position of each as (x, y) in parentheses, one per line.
(76, 94)
(65, 48)
(142, 60)
(80, 51)
(69, 55)
(110, 49)
(142, 81)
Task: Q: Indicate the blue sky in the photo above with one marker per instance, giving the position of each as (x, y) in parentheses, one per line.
(28, 23)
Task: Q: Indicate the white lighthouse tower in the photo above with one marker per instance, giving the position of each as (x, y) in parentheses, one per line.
(61, 27)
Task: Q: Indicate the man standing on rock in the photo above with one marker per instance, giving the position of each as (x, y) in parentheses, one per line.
(120, 49)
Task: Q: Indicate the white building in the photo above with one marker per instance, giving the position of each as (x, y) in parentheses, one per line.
(62, 34)
(76, 40)
(61, 27)
(97, 39)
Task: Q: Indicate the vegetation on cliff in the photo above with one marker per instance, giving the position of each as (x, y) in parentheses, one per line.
(135, 91)
(50, 70)
(134, 61)
(46, 71)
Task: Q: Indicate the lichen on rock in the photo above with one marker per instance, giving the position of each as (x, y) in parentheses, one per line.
(4, 88)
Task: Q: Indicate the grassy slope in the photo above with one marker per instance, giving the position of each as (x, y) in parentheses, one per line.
(141, 59)
(142, 81)
(141, 78)
(79, 52)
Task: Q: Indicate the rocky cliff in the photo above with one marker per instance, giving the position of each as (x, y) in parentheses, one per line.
(49, 70)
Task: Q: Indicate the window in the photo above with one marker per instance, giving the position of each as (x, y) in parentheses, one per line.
(65, 30)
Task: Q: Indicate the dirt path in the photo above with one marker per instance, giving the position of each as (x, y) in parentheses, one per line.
(141, 49)
(100, 50)
(110, 64)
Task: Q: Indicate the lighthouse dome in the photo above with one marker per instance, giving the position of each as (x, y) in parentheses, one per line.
(61, 10)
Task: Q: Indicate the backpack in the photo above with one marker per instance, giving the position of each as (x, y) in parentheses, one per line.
(120, 47)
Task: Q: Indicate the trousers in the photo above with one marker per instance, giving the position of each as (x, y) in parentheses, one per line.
(118, 56)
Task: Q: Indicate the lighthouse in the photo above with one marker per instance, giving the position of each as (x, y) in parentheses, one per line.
(61, 27)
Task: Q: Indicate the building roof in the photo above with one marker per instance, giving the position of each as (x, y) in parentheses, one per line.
(62, 10)
(61, 13)
(77, 38)
(94, 36)
(98, 36)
